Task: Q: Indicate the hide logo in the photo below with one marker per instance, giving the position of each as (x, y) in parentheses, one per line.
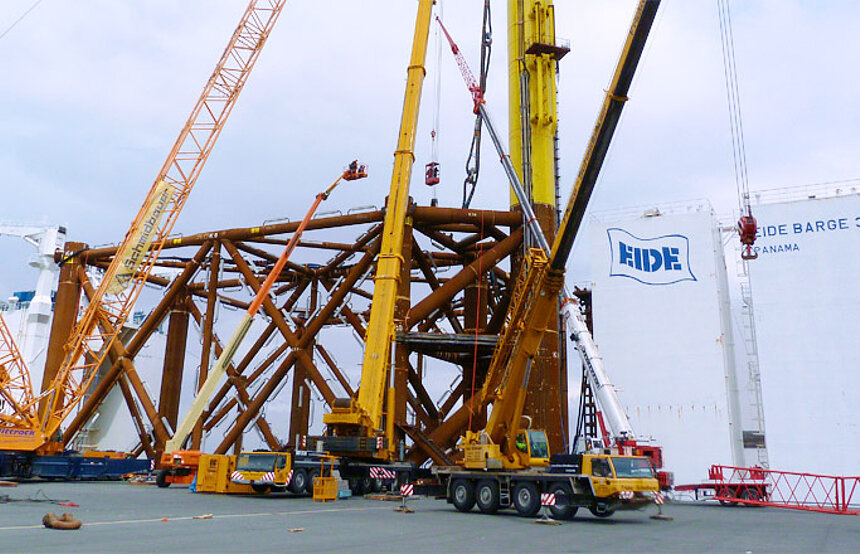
(662, 260)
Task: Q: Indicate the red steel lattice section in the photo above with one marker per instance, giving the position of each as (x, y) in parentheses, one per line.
(756, 486)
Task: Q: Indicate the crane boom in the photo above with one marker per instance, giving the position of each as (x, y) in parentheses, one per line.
(207, 389)
(596, 373)
(16, 390)
(101, 323)
(362, 416)
(542, 275)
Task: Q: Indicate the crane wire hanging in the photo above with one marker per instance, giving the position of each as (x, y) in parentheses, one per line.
(25, 14)
(431, 171)
(746, 224)
(733, 99)
(473, 162)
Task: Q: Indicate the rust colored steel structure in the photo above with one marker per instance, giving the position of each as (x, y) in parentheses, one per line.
(451, 250)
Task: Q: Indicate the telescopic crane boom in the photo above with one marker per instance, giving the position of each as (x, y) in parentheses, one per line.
(357, 423)
(598, 378)
(356, 170)
(542, 274)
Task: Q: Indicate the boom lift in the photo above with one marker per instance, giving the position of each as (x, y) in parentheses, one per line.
(507, 462)
(178, 464)
(95, 335)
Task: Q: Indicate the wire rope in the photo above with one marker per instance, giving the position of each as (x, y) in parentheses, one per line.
(473, 161)
(25, 14)
(730, 73)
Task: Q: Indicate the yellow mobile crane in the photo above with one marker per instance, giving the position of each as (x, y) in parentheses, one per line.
(356, 424)
(508, 463)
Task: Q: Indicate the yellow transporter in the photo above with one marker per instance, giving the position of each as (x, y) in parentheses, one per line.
(213, 475)
(274, 471)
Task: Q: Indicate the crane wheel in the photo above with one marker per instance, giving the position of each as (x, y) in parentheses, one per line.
(463, 495)
(526, 499)
(161, 479)
(487, 496)
(601, 509)
(259, 488)
(563, 509)
(309, 486)
(299, 482)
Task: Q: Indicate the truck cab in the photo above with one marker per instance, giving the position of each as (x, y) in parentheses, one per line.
(264, 471)
(625, 482)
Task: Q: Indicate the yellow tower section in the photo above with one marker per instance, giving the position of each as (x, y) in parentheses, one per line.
(533, 54)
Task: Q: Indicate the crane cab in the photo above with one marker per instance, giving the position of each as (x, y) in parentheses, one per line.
(264, 471)
(529, 449)
(532, 448)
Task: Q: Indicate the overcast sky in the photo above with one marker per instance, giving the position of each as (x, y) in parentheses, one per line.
(94, 93)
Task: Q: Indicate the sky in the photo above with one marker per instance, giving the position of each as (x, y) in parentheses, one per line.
(94, 93)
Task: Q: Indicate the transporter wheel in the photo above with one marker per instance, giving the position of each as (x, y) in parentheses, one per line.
(487, 496)
(161, 479)
(298, 482)
(563, 510)
(728, 493)
(601, 509)
(752, 494)
(463, 495)
(309, 486)
(260, 488)
(526, 499)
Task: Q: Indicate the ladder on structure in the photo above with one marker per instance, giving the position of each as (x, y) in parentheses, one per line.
(754, 439)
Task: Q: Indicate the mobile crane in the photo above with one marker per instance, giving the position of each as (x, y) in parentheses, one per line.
(356, 430)
(95, 336)
(508, 463)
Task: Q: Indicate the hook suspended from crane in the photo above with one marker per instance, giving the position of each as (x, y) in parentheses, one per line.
(747, 226)
(431, 170)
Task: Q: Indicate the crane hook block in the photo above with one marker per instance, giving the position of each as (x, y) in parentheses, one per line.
(431, 174)
(747, 228)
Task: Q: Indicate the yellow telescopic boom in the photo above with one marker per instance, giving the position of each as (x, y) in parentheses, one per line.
(535, 295)
(364, 415)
